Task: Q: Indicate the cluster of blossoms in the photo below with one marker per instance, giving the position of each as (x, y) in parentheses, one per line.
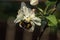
(27, 15)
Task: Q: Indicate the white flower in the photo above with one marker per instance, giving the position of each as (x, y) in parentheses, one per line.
(29, 16)
(34, 2)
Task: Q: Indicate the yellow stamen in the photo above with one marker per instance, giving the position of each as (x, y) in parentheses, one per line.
(28, 19)
(20, 23)
(28, 25)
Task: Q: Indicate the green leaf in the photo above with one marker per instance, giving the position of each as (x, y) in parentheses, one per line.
(40, 10)
(51, 10)
(59, 20)
(48, 4)
(50, 24)
(45, 11)
(52, 20)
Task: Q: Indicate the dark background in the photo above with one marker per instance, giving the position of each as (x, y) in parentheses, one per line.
(10, 8)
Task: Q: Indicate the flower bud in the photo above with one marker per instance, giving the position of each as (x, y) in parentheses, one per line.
(34, 2)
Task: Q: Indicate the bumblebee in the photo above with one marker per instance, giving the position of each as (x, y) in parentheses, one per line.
(26, 25)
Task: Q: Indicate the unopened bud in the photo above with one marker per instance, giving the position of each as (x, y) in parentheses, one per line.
(34, 2)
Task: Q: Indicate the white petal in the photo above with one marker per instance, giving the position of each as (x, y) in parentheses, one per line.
(26, 10)
(37, 21)
(32, 15)
(23, 5)
(19, 18)
(20, 25)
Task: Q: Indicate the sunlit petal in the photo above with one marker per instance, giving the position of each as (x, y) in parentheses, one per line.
(19, 17)
(37, 21)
